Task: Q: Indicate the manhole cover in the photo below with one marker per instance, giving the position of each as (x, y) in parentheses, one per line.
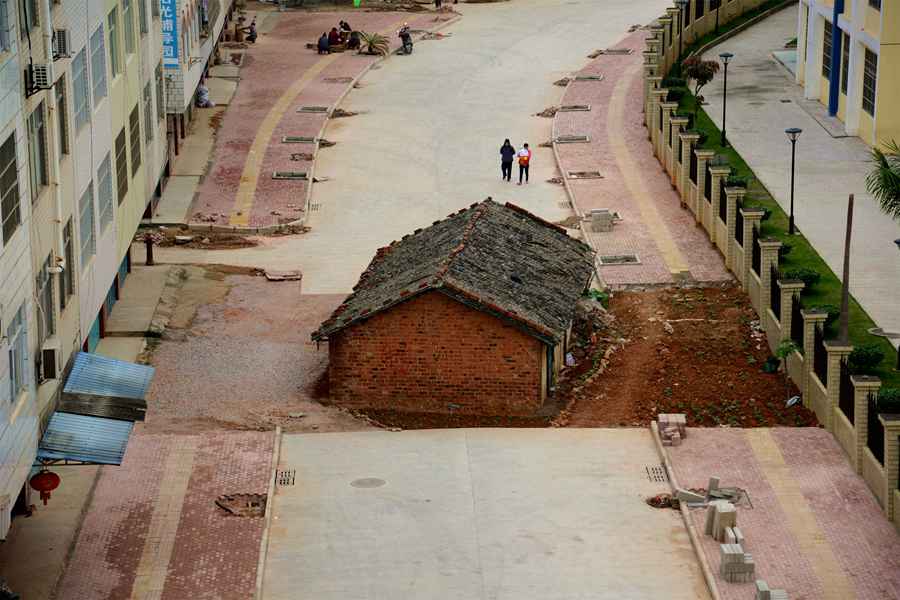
(573, 139)
(617, 51)
(313, 109)
(584, 175)
(288, 175)
(285, 477)
(243, 505)
(619, 259)
(656, 473)
(368, 482)
(574, 107)
(297, 139)
(338, 79)
(589, 78)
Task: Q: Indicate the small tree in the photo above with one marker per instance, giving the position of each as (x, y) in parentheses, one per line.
(883, 181)
(782, 352)
(700, 72)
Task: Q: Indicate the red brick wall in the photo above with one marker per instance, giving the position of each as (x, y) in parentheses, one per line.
(430, 351)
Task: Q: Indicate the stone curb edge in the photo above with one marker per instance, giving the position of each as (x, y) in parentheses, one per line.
(685, 516)
(270, 500)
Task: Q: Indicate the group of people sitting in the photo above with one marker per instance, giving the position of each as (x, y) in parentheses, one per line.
(342, 35)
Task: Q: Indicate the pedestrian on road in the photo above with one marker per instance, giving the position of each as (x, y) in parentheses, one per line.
(324, 46)
(524, 162)
(507, 154)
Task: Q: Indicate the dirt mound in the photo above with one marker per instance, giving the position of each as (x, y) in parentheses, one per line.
(548, 113)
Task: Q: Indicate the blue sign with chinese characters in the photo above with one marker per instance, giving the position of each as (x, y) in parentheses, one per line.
(169, 15)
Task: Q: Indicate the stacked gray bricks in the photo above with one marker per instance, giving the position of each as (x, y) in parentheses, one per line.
(737, 566)
(672, 428)
(764, 593)
(720, 517)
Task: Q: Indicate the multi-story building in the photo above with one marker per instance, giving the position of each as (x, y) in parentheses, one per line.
(847, 57)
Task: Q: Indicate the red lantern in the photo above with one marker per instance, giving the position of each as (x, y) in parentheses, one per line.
(45, 482)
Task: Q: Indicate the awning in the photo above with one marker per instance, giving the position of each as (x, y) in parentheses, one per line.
(83, 438)
(106, 387)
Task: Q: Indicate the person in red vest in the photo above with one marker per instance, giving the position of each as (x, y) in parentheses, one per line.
(524, 162)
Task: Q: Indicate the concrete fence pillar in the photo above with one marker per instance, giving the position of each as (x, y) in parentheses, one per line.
(659, 97)
(768, 259)
(672, 15)
(718, 174)
(678, 124)
(688, 142)
(836, 353)
(668, 109)
(752, 218)
(703, 158)
(790, 289)
(733, 197)
(653, 83)
(863, 385)
(811, 320)
(649, 71)
(891, 424)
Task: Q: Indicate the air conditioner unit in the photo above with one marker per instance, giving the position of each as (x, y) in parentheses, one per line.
(50, 354)
(61, 44)
(41, 76)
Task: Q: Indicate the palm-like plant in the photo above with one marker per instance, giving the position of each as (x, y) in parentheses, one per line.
(373, 43)
(883, 181)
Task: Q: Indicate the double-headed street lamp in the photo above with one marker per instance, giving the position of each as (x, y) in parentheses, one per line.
(726, 58)
(683, 6)
(793, 133)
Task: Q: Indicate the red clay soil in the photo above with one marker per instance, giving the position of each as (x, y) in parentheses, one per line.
(708, 365)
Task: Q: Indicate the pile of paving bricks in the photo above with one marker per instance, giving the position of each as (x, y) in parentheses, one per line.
(672, 428)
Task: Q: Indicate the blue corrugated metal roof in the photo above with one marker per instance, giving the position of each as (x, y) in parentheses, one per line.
(101, 376)
(85, 439)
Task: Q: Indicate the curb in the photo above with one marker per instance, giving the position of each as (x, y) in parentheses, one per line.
(270, 500)
(711, 584)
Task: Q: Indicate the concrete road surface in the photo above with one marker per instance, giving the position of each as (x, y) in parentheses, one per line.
(506, 514)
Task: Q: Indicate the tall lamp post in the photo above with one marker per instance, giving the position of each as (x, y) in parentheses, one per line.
(793, 133)
(726, 58)
(683, 7)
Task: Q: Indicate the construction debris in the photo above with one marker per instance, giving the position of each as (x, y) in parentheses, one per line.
(562, 82)
(720, 515)
(672, 428)
(764, 593)
(273, 275)
(663, 501)
(689, 496)
(548, 113)
(243, 505)
(737, 566)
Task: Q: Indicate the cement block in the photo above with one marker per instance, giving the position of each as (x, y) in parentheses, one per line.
(762, 590)
(713, 484)
(688, 496)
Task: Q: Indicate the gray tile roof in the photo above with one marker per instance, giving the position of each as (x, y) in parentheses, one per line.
(499, 259)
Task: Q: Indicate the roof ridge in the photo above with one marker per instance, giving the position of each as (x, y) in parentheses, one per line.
(478, 211)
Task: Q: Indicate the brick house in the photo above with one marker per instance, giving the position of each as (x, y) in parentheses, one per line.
(472, 314)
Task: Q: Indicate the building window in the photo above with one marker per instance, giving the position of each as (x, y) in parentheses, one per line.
(105, 193)
(826, 52)
(870, 76)
(17, 341)
(87, 237)
(142, 16)
(115, 61)
(28, 16)
(67, 281)
(154, 6)
(98, 65)
(148, 113)
(698, 8)
(876, 4)
(37, 151)
(134, 128)
(121, 166)
(9, 189)
(62, 115)
(845, 61)
(80, 99)
(160, 91)
(5, 41)
(43, 286)
(128, 17)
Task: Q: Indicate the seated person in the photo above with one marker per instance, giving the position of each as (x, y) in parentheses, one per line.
(345, 26)
(354, 42)
(324, 45)
(334, 37)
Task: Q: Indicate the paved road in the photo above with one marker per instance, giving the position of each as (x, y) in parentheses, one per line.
(502, 514)
(828, 169)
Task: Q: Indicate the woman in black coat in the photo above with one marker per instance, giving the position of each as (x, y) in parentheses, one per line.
(507, 154)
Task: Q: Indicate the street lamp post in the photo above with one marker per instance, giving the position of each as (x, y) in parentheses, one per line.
(683, 7)
(793, 133)
(726, 58)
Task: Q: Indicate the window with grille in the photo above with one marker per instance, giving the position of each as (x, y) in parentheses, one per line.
(17, 342)
(87, 237)
(62, 115)
(43, 286)
(845, 61)
(37, 151)
(826, 51)
(67, 281)
(98, 65)
(28, 16)
(160, 98)
(112, 23)
(121, 166)
(80, 99)
(134, 128)
(154, 6)
(105, 193)
(9, 189)
(128, 18)
(148, 114)
(870, 76)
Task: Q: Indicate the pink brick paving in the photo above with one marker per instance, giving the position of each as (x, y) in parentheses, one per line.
(863, 541)
(271, 66)
(631, 235)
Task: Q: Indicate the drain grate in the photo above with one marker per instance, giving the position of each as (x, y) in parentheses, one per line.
(338, 79)
(313, 109)
(619, 259)
(584, 175)
(285, 477)
(656, 473)
(617, 51)
(297, 139)
(573, 139)
(574, 107)
(589, 78)
(289, 175)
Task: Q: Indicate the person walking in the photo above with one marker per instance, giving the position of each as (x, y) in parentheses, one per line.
(507, 154)
(524, 162)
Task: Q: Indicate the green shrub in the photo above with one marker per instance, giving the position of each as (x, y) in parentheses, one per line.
(675, 95)
(833, 312)
(736, 181)
(889, 400)
(674, 82)
(808, 276)
(864, 360)
(784, 250)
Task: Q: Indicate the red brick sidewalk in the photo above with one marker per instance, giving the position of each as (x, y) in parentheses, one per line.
(865, 545)
(635, 234)
(271, 66)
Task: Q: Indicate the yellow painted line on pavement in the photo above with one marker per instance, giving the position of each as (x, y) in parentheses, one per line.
(634, 178)
(246, 194)
(801, 520)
